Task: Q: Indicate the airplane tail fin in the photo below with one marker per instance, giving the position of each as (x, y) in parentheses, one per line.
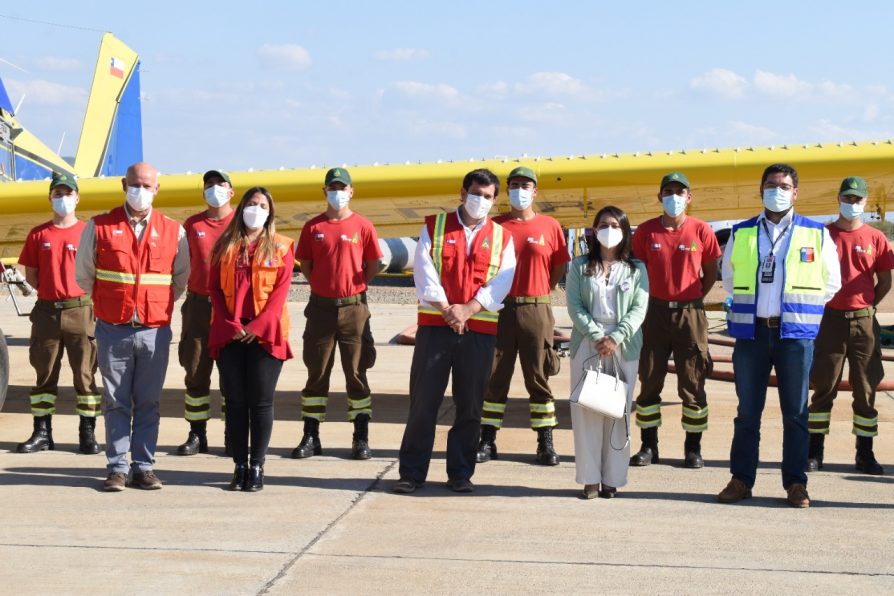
(5, 104)
(112, 134)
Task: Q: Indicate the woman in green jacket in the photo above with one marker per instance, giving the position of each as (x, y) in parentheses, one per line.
(608, 292)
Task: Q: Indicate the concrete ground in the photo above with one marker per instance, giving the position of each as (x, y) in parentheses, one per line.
(331, 525)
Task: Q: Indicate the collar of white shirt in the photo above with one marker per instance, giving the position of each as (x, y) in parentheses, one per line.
(463, 224)
(786, 219)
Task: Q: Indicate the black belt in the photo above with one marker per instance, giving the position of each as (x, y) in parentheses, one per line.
(852, 314)
(527, 299)
(69, 303)
(339, 302)
(679, 304)
(198, 296)
(132, 324)
(772, 322)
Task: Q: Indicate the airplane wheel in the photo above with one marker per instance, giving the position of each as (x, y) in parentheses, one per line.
(4, 369)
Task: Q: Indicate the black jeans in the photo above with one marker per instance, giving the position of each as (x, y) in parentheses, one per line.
(249, 374)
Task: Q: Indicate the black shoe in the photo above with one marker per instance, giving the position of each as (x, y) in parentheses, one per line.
(360, 443)
(461, 485)
(648, 453)
(240, 475)
(310, 442)
(487, 445)
(405, 486)
(196, 442)
(255, 481)
(87, 436)
(815, 453)
(693, 451)
(865, 459)
(42, 437)
(546, 455)
(608, 492)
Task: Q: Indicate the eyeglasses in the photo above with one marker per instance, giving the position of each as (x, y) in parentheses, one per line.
(785, 187)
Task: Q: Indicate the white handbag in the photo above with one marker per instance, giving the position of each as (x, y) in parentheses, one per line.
(601, 392)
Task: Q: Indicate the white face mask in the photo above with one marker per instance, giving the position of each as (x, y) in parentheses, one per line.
(609, 237)
(139, 198)
(777, 200)
(673, 205)
(217, 195)
(477, 207)
(521, 198)
(255, 216)
(337, 199)
(62, 206)
(851, 211)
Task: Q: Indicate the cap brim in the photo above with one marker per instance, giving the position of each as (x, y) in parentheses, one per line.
(66, 184)
(854, 193)
(211, 173)
(337, 179)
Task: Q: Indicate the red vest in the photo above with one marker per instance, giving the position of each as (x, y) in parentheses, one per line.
(134, 275)
(462, 276)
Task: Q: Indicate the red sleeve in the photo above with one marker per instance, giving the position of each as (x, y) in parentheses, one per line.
(712, 247)
(885, 261)
(303, 250)
(267, 325)
(560, 255)
(639, 238)
(28, 256)
(223, 326)
(371, 250)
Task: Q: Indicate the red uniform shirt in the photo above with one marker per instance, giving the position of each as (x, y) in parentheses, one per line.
(539, 246)
(52, 252)
(201, 234)
(674, 258)
(862, 252)
(338, 249)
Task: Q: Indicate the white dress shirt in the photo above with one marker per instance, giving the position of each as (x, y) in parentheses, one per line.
(428, 282)
(769, 295)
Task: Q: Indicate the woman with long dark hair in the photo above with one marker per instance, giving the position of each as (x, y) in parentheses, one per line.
(608, 292)
(251, 271)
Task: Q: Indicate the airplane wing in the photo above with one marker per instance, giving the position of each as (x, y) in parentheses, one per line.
(571, 189)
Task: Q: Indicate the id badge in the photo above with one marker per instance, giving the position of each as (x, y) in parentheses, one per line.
(768, 270)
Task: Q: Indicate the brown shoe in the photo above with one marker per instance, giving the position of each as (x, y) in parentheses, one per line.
(734, 492)
(797, 496)
(115, 482)
(591, 491)
(145, 480)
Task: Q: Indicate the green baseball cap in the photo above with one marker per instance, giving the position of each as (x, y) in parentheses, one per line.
(523, 172)
(217, 173)
(854, 185)
(63, 180)
(674, 177)
(338, 175)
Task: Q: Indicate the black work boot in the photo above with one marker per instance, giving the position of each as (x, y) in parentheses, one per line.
(815, 454)
(693, 451)
(87, 436)
(648, 453)
(866, 458)
(42, 437)
(487, 444)
(310, 443)
(360, 444)
(197, 441)
(546, 455)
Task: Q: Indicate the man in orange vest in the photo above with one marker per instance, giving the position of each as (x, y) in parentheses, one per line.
(463, 269)
(202, 231)
(135, 263)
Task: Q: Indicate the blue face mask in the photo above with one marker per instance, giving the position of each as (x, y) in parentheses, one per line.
(673, 205)
(850, 211)
(777, 200)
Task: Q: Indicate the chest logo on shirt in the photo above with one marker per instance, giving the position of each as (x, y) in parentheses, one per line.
(353, 240)
(866, 251)
(117, 232)
(200, 234)
(807, 254)
(691, 248)
(71, 247)
(451, 241)
(655, 246)
(486, 244)
(45, 245)
(154, 234)
(541, 242)
(318, 237)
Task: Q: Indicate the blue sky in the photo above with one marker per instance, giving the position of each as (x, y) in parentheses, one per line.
(295, 84)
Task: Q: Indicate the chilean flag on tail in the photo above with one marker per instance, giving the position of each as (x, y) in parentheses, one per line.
(117, 68)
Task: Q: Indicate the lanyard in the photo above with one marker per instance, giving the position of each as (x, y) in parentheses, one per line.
(773, 243)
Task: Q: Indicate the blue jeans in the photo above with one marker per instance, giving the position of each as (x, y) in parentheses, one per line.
(753, 360)
(133, 363)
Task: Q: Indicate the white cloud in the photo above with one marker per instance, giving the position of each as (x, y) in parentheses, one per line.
(549, 113)
(750, 132)
(287, 55)
(425, 90)
(833, 89)
(497, 88)
(554, 83)
(402, 55)
(781, 85)
(831, 131)
(438, 128)
(722, 82)
(46, 93)
(56, 63)
(870, 113)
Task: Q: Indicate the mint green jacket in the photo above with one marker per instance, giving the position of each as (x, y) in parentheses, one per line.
(631, 308)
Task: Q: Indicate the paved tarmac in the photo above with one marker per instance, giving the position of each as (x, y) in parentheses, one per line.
(331, 525)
